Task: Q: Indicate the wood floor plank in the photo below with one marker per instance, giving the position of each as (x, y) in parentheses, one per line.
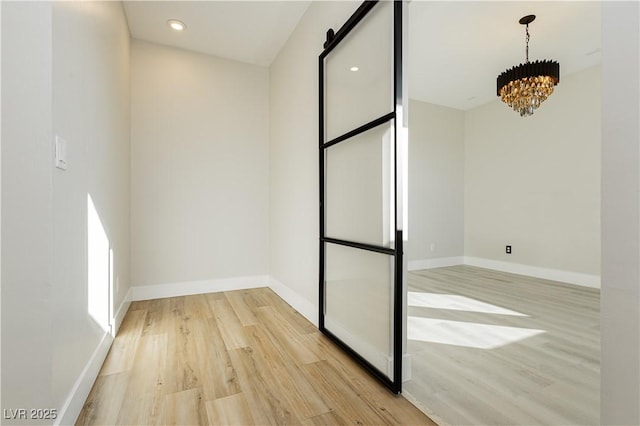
(326, 419)
(157, 316)
(185, 408)
(121, 354)
(341, 360)
(345, 403)
(230, 326)
(293, 317)
(257, 297)
(230, 410)
(376, 397)
(214, 367)
(301, 394)
(140, 305)
(267, 404)
(103, 405)
(182, 358)
(286, 336)
(143, 401)
(197, 307)
(238, 303)
(210, 297)
(177, 308)
(363, 402)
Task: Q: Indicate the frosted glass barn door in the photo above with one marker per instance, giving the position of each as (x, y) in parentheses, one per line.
(360, 231)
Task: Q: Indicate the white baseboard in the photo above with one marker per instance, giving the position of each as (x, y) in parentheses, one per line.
(440, 262)
(73, 404)
(576, 278)
(116, 321)
(160, 291)
(299, 303)
(406, 367)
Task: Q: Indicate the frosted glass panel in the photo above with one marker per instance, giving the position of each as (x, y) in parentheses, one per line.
(355, 97)
(359, 302)
(359, 188)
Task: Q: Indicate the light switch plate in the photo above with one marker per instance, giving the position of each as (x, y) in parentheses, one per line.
(61, 153)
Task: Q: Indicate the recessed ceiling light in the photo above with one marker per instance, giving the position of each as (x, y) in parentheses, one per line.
(354, 69)
(176, 25)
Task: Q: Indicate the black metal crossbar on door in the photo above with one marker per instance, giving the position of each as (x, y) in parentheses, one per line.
(361, 251)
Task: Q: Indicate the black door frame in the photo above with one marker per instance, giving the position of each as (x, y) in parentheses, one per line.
(333, 39)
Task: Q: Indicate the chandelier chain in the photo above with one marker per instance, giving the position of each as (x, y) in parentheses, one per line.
(527, 49)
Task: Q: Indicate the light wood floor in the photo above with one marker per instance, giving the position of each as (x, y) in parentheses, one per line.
(241, 357)
(491, 348)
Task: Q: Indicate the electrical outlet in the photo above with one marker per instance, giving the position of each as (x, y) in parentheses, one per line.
(508, 249)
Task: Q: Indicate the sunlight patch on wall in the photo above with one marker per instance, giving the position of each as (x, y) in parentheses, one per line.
(468, 334)
(456, 303)
(98, 267)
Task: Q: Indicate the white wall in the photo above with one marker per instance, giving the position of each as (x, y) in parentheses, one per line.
(91, 99)
(27, 242)
(199, 167)
(534, 183)
(65, 72)
(293, 153)
(436, 184)
(620, 293)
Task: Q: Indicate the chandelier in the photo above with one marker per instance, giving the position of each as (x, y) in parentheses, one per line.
(526, 86)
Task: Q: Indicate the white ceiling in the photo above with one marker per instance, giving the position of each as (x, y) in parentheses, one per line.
(246, 31)
(456, 48)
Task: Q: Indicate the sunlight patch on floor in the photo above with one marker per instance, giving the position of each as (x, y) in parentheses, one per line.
(467, 334)
(456, 303)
